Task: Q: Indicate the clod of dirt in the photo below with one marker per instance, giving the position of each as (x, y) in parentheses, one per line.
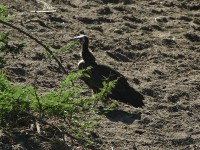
(17, 71)
(197, 28)
(197, 21)
(185, 18)
(40, 72)
(88, 20)
(56, 19)
(141, 46)
(169, 42)
(118, 1)
(130, 25)
(181, 138)
(190, 6)
(132, 19)
(151, 28)
(118, 57)
(149, 92)
(157, 11)
(60, 1)
(161, 19)
(194, 7)
(20, 79)
(96, 27)
(177, 95)
(54, 69)
(192, 37)
(169, 4)
(56, 46)
(158, 72)
(127, 56)
(195, 48)
(93, 135)
(104, 20)
(46, 83)
(136, 81)
(104, 11)
(38, 56)
(85, 19)
(120, 8)
(119, 31)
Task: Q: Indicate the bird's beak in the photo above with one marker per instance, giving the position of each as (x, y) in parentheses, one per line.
(73, 39)
(76, 38)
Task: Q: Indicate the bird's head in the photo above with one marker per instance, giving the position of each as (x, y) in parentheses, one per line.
(85, 53)
(83, 39)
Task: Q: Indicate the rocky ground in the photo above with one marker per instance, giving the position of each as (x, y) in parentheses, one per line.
(155, 44)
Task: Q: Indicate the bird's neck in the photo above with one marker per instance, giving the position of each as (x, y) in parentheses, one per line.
(85, 47)
(87, 54)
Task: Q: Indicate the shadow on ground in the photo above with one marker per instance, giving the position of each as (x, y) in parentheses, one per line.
(122, 116)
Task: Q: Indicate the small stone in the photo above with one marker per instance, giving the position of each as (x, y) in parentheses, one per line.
(119, 31)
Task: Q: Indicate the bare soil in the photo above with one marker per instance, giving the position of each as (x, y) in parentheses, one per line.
(154, 43)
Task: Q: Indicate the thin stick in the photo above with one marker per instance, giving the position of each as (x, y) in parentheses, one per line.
(43, 11)
(37, 41)
(55, 127)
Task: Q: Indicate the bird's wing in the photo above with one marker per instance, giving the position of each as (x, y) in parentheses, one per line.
(110, 73)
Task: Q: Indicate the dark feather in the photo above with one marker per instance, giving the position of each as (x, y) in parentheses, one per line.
(98, 73)
(122, 91)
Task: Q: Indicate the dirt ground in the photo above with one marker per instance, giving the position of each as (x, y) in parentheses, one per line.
(154, 43)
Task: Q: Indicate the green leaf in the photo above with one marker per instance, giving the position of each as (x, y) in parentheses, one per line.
(3, 13)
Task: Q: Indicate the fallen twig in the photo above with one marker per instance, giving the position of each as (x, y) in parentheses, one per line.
(37, 119)
(43, 11)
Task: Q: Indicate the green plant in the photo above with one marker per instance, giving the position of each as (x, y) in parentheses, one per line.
(69, 47)
(66, 103)
(13, 99)
(3, 13)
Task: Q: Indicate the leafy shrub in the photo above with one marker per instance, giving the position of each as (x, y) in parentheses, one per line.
(13, 99)
(66, 103)
(3, 13)
(69, 47)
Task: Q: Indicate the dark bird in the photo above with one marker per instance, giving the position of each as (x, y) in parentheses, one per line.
(122, 91)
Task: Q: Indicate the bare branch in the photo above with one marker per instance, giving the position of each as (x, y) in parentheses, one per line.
(37, 41)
